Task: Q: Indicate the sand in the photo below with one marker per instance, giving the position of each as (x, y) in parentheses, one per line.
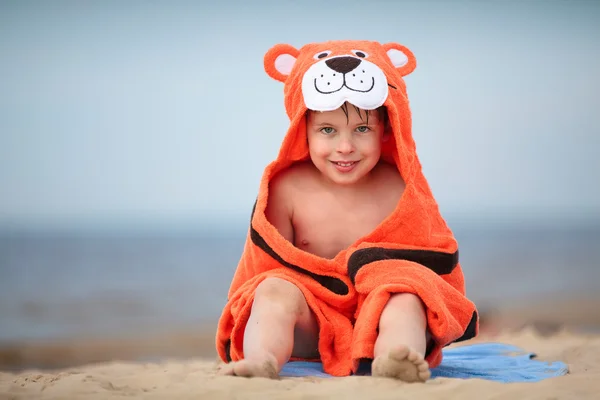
(197, 379)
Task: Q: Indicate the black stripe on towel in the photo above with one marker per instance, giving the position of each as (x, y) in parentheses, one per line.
(228, 351)
(471, 330)
(437, 261)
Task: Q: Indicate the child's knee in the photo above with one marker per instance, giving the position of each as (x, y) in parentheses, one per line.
(279, 294)
(406, 301)
(402, 303)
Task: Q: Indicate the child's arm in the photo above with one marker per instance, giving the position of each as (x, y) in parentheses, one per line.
(279, 209)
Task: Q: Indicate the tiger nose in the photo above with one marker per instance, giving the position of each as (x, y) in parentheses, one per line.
(343, 65)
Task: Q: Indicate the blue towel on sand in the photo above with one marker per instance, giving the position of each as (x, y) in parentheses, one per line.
(492, 361)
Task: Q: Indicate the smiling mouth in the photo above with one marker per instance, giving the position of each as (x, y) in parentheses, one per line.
(345, 163)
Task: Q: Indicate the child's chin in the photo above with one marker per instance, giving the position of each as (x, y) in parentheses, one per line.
(345, 180)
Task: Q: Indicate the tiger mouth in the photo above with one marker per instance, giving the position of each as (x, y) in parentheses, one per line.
(344, 85)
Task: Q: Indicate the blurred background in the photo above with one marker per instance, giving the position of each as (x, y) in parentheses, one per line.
(133, 136)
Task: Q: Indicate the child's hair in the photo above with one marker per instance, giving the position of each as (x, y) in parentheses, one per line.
(381, 111)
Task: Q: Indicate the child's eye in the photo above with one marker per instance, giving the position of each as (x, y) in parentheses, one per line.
(363, 129)
(327, 130)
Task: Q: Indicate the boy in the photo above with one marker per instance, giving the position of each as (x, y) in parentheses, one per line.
(329, 202)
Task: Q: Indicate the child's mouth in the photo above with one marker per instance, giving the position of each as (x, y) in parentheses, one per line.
(344, 166)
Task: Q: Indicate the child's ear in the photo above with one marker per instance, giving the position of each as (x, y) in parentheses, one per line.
(387, 132)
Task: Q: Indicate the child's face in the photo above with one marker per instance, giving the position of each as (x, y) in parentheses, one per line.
(344, 144)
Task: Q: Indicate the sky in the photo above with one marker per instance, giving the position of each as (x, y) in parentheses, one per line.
(120, 113)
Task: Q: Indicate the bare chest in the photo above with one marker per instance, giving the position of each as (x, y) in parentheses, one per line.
(324, 226)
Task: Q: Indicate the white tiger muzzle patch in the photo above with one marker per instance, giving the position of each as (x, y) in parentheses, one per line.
(329, 83)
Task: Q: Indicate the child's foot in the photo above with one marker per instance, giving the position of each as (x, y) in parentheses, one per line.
(402, 363)
(266, 368)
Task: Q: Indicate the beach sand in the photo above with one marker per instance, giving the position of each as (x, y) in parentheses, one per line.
(95, 372)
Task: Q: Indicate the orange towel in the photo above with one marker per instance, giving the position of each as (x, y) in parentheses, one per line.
(412, 250)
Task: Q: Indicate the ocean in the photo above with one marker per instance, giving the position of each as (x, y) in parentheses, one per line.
(77, 284)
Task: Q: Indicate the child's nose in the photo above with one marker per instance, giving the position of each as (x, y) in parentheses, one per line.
(345, 146)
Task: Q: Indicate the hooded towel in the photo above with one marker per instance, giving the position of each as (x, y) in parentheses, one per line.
(411, 251)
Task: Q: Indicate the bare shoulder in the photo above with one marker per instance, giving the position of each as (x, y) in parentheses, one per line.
(389, 181)
(283, 189)
(388, 173)
(295, 178)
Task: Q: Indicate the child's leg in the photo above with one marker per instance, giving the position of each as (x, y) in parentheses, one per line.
(402, 341)
(280, 324)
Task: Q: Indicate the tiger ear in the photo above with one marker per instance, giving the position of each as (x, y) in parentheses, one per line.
(279, 61)
(401, 57)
